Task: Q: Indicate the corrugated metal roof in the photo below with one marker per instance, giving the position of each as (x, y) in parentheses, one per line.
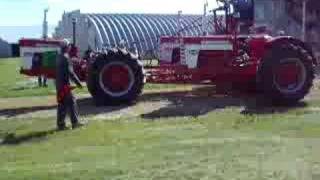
(142, 29)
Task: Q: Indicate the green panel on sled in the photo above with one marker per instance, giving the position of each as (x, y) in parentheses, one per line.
(49, 59)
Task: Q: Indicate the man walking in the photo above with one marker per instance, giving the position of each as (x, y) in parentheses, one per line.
(66, 100)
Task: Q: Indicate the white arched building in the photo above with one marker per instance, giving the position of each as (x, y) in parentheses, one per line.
(96, 31)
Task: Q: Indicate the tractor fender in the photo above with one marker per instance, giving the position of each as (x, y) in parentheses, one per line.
(278, 41)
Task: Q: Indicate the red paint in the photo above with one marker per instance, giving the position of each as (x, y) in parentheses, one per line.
(258, 46)
(116, 78)
(74, 52)
(80, 68)
(62, 93)
(49, 73)
(195, 40)
(213, 63)
(287, 74)
(38, 42)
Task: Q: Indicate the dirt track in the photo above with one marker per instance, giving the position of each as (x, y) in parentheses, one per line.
(43, 107)
(151, 105)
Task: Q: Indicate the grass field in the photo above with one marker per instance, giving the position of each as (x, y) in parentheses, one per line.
(193, 138)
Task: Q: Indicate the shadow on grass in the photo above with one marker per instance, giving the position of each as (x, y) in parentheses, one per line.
(203, 100)
(86, 107)
(9, 113)
(13, 139)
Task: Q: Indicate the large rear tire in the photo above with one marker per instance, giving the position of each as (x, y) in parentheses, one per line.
(115, 78)
(286, 75)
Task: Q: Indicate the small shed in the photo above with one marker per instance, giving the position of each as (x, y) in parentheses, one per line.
(5, 49)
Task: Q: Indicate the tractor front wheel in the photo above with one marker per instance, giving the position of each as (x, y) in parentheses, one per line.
(115, 78)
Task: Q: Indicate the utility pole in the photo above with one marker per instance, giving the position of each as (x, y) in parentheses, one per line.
(181, 42)
(45, 24)
(179, 25)
(204, 19)
(74, 31)
(304, 19)
(42, 80)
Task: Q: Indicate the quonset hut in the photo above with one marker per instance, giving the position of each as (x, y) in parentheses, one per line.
(96, 31)
(5, 49)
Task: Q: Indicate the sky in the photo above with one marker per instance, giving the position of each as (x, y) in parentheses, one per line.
(16, 15)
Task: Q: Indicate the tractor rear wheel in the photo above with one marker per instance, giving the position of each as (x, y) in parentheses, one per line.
(115, 78)
(286, 75)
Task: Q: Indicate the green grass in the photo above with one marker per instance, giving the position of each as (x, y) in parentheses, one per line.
(13, 84)
(220, 145)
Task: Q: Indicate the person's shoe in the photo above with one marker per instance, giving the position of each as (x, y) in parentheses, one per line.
(62, 128)
(77, 125)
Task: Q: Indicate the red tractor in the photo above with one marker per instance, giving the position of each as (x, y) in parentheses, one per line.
(282, 68)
